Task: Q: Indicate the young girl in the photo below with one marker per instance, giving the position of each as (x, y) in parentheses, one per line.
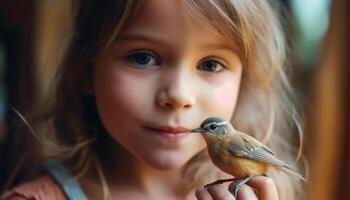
(138, 76)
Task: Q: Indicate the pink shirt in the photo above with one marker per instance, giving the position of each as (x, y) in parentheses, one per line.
(58, 184)
(42, 188)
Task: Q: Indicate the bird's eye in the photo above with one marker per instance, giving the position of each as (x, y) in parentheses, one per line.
(213, 127)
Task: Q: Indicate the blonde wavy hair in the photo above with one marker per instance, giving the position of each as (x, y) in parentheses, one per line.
(66, 121)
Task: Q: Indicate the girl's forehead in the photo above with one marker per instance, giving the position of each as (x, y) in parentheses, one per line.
(171, 19)
(170, 14)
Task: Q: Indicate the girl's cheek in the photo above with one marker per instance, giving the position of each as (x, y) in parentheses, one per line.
(227, 96)
(226, 99)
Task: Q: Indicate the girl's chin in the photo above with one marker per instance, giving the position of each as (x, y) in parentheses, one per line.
(166, 163)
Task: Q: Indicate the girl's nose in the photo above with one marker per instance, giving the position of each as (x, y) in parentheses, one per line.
(175, 92)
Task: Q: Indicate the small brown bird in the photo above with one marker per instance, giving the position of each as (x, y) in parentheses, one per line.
(238, 154)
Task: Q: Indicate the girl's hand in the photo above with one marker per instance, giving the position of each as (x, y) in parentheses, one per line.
(259, 188)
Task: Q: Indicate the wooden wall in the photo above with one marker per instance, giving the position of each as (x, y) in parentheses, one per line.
(17, 33)
(329, 140)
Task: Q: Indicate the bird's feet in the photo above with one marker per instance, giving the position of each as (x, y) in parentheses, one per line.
(220, 181)
(236, 186)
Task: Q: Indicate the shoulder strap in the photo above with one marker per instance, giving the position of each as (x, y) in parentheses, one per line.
(63, 176)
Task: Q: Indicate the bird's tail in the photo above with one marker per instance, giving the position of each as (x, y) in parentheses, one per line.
(287, 169)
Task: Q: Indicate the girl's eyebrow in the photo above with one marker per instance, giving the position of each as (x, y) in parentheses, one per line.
(153, 39)
(219, 46)
(142, 37)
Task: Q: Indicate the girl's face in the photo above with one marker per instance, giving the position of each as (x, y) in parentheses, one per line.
(165, 73)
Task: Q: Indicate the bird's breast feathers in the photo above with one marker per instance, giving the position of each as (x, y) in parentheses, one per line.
(234, 165)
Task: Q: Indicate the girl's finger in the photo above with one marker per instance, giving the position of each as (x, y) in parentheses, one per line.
(219, 192)
(246, 193)
(203, 194)
(265, 186)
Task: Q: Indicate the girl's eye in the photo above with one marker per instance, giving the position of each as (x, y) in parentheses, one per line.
(211, 66)
(142, 59)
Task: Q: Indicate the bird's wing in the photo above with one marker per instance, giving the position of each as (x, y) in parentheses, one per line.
(247, 147)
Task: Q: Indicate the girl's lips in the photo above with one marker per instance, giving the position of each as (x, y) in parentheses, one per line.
(171, 133)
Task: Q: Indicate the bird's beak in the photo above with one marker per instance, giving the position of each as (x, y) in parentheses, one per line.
(198, 130)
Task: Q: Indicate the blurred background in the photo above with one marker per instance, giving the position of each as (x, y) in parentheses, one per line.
(33, 36)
